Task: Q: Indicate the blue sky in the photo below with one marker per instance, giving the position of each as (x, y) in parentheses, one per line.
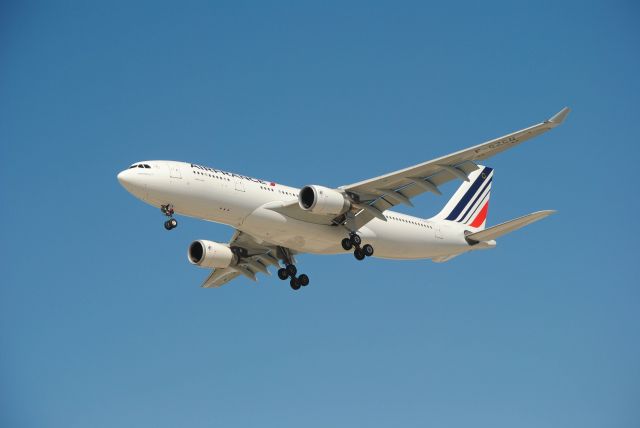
(102, 321)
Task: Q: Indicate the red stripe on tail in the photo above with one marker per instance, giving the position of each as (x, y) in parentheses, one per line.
(482, 216)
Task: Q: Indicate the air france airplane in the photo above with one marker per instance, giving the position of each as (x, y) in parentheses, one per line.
(274, 222)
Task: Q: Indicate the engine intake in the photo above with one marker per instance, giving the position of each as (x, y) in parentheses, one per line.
(209, 254)
(322, 200)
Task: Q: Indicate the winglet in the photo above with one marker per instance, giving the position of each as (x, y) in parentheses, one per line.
(559, 117)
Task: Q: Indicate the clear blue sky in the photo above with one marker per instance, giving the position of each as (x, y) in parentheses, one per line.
(102, 321)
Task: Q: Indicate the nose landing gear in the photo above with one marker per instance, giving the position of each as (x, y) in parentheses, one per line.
(354, 240)
(167, 210)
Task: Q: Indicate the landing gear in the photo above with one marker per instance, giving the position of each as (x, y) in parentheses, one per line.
(171, 224)
(283, 274)
(303, 280)
(167, 210)
(346, 244)
(367, 250)
(295, 283)
(290, 271)
(354, 240)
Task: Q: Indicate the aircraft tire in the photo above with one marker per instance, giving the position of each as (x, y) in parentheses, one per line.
(356, 240)
(346, 244)
(367, 250)
(303, 280)
(295, 284)
(359, 254)
(292, 270)
(283, 274)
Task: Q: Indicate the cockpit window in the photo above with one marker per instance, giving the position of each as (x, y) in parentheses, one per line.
(146, 166)
(140, 166)
(133, 166)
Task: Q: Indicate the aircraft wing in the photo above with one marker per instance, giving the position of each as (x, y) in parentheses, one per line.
(258, 257)
(378, 194)
(220, 277)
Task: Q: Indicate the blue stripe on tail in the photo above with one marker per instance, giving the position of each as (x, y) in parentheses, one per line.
(472, 204)
(467, 196)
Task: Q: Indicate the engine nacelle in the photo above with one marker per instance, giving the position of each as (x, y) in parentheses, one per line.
(322, 200)
(209, 254)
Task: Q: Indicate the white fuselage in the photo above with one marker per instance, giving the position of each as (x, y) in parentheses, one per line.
(243, 202)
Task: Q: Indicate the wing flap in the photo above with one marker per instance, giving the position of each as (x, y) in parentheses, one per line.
(495, 232)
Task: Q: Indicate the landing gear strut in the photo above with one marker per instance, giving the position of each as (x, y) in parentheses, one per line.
(167, 210)
(354, 240)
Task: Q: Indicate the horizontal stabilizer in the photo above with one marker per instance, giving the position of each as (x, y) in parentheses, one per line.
(507, 227)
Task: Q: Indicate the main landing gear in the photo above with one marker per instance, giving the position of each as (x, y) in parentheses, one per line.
(167, 210)
(290, 271)
(354, 240)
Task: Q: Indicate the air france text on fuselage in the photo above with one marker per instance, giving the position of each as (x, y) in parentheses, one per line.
(230, 174)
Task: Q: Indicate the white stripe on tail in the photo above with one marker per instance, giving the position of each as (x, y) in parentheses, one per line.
(470, 204)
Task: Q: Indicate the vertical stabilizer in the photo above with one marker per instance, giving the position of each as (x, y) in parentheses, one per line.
(470, 204)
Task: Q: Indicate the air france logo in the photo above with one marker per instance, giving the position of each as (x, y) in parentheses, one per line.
(229, 174)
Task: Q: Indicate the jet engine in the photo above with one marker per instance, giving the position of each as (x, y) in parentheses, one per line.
(322, 200)
(209, 254)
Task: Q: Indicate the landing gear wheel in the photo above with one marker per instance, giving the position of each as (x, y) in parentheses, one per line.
(356, 240)
(283, 274)
(292, 270)
(346, 244)
(167, 210)
(367, 250)
(303, 280)
(359, 254)
(295, 284)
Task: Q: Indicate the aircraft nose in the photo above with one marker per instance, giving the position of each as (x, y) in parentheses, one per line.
(122, 177)
(130, 180)
(126, 178)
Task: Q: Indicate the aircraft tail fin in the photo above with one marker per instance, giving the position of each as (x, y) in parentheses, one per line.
(495, 232)
(470, 203)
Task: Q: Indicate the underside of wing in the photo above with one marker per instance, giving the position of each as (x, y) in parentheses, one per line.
(219, 277)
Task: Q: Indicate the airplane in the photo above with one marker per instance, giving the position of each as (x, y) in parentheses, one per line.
(274, 222)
